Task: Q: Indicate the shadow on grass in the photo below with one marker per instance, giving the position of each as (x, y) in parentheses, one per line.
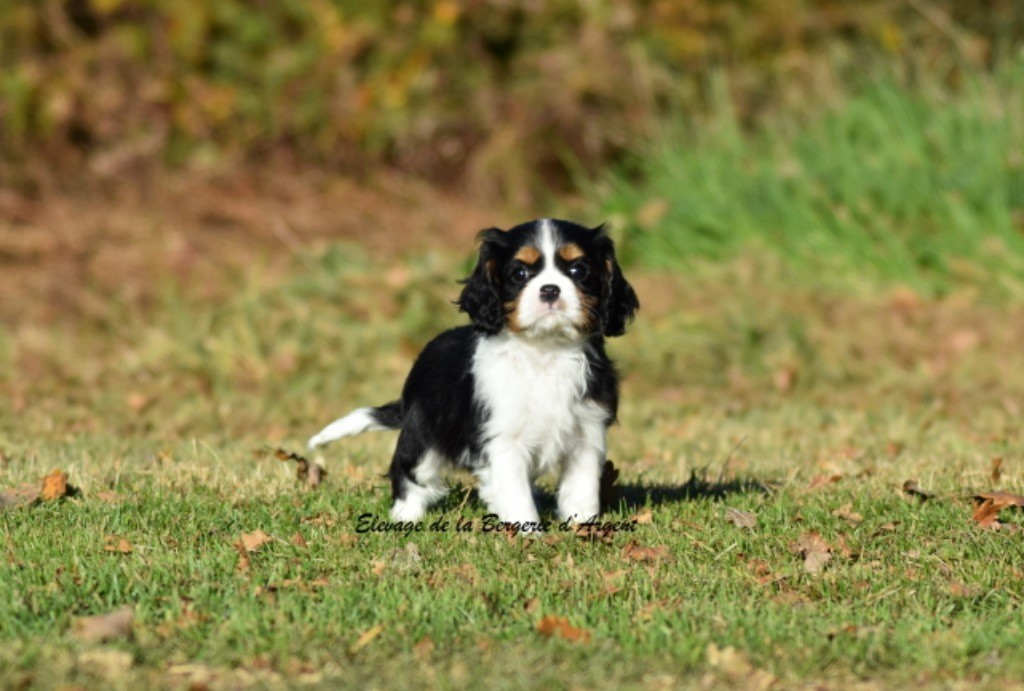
(629, 497)
(632, 496)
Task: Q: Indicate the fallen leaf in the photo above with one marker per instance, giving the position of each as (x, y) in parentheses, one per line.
(997, 470)
(592, 532)
(634, 552)
(643, 517)
(608, 493)
(741, 519)
(847, 513)
(531, 605)
(22, 495)
(55, 486)
(365, 639)
(561, 628)
(989, 504)
(299, 541)
(814, 551)
(246, 544)
(253, 541)
(105, 627)
(112, 543)
(823, 481)
(310, 474)
(912, 489)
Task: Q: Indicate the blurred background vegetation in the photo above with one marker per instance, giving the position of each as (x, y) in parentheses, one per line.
(882, 136)
(510, 97)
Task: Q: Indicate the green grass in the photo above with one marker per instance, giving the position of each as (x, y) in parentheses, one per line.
(168, 407)
(919, 594)
(923, 186)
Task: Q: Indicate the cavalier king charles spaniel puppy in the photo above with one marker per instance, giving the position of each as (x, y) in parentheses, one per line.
(524, 390)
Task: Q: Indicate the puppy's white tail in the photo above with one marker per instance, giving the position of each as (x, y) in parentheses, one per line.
(388, 416)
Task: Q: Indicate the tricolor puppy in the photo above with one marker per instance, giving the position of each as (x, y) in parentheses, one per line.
(525, 390)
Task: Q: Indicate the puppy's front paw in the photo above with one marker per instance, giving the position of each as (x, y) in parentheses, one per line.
(406, 510)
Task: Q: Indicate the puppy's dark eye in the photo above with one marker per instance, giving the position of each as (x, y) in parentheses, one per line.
(519, 274)
(578, 271)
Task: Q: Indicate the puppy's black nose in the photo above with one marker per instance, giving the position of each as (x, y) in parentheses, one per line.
(549, 293)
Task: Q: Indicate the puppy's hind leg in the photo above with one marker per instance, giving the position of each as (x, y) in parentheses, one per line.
(361, 420)
(416, 479)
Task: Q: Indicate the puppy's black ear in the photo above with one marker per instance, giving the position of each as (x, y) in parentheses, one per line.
(480, 298)
(619, 302)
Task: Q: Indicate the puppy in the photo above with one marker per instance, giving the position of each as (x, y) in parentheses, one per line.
(526, 389)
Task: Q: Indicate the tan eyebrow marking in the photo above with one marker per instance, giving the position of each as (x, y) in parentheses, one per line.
(528, 255)
(570, 251)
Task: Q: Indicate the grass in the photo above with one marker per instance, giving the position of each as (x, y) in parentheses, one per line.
(169, 408)
(755, 380)
(921, 186)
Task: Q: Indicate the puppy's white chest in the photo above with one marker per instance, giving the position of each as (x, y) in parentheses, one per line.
(535, 396)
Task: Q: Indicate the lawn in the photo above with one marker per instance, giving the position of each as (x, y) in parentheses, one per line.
(773, 411)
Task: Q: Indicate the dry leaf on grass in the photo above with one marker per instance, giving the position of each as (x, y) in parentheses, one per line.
(592, 533)
(105, 627)
(847, 513)
(55, 486)
(987, 506)
(299, 541)
(997, 470)
(634, 552)
(912, 489)
(813, 550)
(560, 627)
(741, 519)
(365, 638)
(643, 517)
(253, 541)
(249, 542)
(23, 495)
(308, 473)
(823, 481)
(118, 545)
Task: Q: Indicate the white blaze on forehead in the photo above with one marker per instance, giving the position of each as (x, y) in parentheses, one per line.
(547, 243)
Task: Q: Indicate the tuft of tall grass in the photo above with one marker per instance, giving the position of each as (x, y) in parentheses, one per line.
(922, 185)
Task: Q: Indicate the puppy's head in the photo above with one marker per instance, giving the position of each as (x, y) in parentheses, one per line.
(548, 279)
